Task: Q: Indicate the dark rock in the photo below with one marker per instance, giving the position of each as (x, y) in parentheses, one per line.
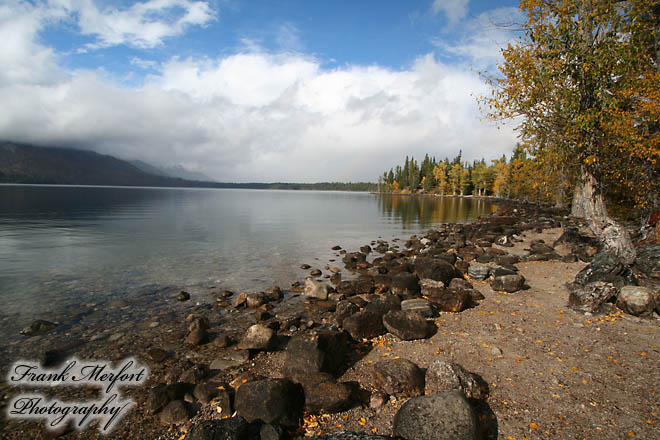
(450, 300)
(324, 395)
(398, 377)
(405, 325)
(198, 336)
(405, 283)
(570, 258)
(316, 273)
(364, 325)
(305, 266)
(635, 300)
(343, 310)
(478, 272)
(157, 354)
(462, 266)
(336, 248)
(232, 428)
(383, 304)
(239, 300)
(475, 295)
(591, 297)
(207, 391)
(506, 259)
(194, 374)
(484, 259)
(160, 395)
(418, 305)
(508, 283)
(435, 270)
(648, 260)
(183, 296)
(270, 401)
(445, 416)
(460, 283)
(500, 271)
(319, 350)
(175, 413)
(256, 299)
(271, 432)
(223, 341)
(539, 247)
(608, 268)
(38, 327)
(444, 376)
(258, 337)
(347, 435)
(365, 249)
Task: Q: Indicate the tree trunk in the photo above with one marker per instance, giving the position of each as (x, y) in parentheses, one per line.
(588, 203)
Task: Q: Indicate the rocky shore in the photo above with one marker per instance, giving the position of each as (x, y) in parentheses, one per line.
(513, 326)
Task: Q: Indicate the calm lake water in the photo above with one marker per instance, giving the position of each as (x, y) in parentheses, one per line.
(65, 246)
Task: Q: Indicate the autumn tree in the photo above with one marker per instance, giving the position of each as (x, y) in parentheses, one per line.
(454, 176)
(585, 77)
(440, 175)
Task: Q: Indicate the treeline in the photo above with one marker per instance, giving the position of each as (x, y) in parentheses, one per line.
(321, 186)
(452, 177)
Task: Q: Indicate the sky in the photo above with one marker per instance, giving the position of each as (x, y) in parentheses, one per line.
(256, 91)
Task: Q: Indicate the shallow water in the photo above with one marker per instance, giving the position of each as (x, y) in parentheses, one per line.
(63, 246)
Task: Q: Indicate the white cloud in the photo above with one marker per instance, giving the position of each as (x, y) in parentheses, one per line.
(482, 37)
(142, 25)
(454, 10)
(253, 116)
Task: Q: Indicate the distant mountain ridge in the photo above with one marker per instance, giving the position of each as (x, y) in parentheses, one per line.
(30, 164)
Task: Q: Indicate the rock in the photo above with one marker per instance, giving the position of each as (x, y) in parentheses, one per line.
(194, 375)
(255, 300)
(270, 401)
(305, 266)
(365, 249)
(606, 267)
(157, 354)
(378, 399)
(398, 377)
(508, 283)
(271, 432)
(199, 323)
(405, 325)
(419, 305)
(435, 270)
(317, 351)
(428, 285)
(232, 428)
(591, 297)
(405, 283)
(364, 325)
(183, 296)
(478, 272)
(239, 300)
(648, 260)
(230, 360)
(460, 283)
(444, 376)
(175, 413)
(325, 395)
(198, 336)
(223, 341)
(635, 300)
(347, 435)
(316, 273)
(382, 304)
(343, 310)
(38, 327)
(205, 392)
(444, 416)
(539, 247)
(336, 248)
(316, 289)
(160, 395)
(257, 337)
(449, 300)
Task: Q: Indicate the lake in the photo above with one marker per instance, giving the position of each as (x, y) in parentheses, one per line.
(62, 246)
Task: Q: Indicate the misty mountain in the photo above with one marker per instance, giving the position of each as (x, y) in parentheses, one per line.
(22, 163)
(177, 171)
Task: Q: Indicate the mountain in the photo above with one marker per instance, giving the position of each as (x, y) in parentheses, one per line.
(22, 163)
(175, 171)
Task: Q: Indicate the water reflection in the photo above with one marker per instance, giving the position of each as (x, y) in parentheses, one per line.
(426, 210)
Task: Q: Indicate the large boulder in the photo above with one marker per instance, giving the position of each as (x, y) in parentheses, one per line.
(435, 270)
(450, 300)
(478, 272)
(398, 377)
(270, 401)
(232, 428)
(444, 376)
(176, 412)
(636, 300)
(320, 350)
(419, 305)
(323, 394)
(405, 283)
(591, 297)
(364, 325)
(606, 267)
(405, 325)
(508, 283)
(444, 416)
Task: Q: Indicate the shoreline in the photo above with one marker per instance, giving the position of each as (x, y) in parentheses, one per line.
(162, 346)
